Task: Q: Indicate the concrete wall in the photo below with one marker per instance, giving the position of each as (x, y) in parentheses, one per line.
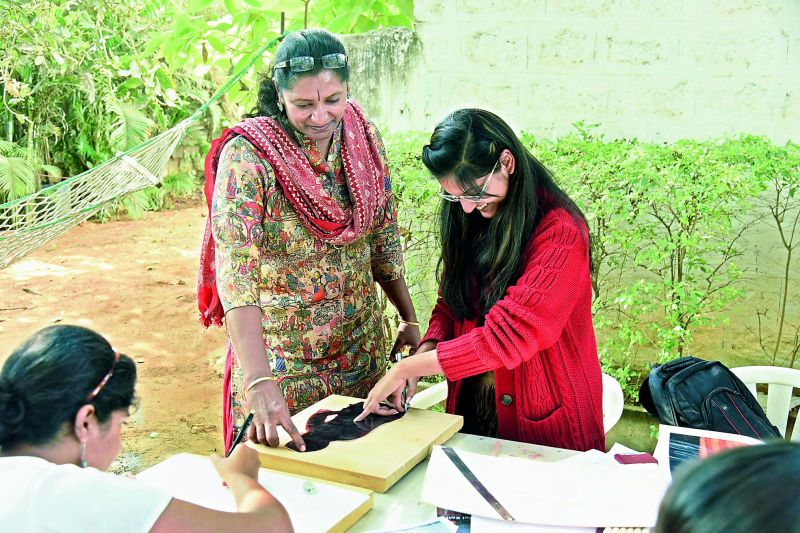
(647, 69)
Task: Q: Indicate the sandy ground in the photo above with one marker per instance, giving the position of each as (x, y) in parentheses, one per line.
(134, 282)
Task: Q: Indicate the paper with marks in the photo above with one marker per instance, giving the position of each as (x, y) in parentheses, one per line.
(560, 494)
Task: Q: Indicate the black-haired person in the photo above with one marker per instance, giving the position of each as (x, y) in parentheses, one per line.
(302, 224)
(751, 488)
(64, 395)
(512, 329)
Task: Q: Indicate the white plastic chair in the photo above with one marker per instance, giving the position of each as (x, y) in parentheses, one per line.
(425, 399)
(781, 382)
(613, 402)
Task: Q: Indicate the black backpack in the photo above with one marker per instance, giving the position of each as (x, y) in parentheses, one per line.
(690, 392)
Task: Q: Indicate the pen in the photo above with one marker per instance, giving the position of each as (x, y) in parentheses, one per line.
(242, 432)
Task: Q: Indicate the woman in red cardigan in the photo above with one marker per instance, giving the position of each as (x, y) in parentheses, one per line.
(512, 329)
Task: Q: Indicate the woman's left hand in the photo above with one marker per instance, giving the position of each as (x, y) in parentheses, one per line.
(391, 384)
(407, 335)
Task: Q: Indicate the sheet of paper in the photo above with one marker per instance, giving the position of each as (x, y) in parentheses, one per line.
(559, 494)
(439, 525)
(480, 524)
(677, 445)
(312, 505)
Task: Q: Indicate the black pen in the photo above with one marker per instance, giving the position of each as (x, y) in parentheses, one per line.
(242, 432)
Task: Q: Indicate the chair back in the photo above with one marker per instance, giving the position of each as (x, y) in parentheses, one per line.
(613, 402)
(780, 382)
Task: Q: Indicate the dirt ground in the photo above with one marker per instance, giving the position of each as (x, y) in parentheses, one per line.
(134, 282)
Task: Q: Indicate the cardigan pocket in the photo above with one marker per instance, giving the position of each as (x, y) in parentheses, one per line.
(552, 430)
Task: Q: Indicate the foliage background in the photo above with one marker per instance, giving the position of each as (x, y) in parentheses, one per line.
(83, 80)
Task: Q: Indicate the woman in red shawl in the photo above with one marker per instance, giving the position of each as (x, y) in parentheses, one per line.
(302, 224)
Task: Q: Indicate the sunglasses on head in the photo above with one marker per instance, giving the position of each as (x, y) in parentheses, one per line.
(306, 63)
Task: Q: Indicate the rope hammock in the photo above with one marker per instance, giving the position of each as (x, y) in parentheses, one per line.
(30, 222)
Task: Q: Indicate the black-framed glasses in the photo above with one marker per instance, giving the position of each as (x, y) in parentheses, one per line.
(96, 391)
(481, 196)
(306, 63)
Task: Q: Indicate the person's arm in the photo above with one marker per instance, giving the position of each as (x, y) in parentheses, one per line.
(422, 364)
(258, 510)
(407, 334)
(386, 259)
(245, 331)
(397, 293)
(531, 317)
(237, 208)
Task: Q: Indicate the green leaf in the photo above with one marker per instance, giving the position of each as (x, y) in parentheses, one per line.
(340, 24)
(399, 20)
(198, 5)
(217, 44)
(16, 177)
(131, 127)
(406, 9)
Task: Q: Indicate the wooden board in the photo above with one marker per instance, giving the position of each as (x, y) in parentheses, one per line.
(377, 460)
(320, 506)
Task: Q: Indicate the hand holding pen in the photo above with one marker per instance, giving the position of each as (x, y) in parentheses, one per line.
(242, 432)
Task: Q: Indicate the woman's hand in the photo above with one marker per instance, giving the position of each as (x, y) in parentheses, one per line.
(271, 411)
(392, 384)
(407, 335)
(414, 380)
(243, 460)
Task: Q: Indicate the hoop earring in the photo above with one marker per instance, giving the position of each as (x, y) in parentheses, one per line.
(280, 105)
(84, 463)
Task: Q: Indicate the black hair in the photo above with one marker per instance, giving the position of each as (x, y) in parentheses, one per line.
(466, 145)
(752, 488)
(50, 376)
(313, 43)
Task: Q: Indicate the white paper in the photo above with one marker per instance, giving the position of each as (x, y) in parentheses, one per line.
(560, 494)
(439, 525)
(312, 505)
(480, 524)
(665, 432)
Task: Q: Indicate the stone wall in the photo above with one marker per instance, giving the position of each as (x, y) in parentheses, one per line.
(658, 71)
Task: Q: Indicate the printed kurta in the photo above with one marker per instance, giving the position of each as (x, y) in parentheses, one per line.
(322, 323)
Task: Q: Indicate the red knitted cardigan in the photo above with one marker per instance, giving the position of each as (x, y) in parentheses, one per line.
(539, 341)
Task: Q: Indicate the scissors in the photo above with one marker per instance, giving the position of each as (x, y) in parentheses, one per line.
(406, 404)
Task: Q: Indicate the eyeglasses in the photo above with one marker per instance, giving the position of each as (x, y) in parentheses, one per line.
(472, 198)
(306, 63)
(103, 382)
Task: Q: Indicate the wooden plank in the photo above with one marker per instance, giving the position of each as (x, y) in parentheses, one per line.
(377, 460)
(321, 506)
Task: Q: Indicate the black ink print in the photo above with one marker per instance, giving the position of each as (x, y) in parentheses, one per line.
(324, 427)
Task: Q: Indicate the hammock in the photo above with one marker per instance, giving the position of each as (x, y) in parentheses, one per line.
(29, 222)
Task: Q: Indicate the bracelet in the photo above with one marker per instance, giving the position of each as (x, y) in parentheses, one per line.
(257, 381)
(408, 322)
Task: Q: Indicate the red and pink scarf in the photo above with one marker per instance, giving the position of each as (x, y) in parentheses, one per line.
(321, 214)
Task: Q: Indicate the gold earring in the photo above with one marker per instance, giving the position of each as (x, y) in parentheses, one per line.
(280, 105)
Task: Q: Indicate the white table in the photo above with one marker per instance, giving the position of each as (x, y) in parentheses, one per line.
(400, 505)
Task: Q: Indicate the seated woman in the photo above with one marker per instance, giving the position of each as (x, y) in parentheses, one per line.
(752, 488)
(512, 330)
(64, 397)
